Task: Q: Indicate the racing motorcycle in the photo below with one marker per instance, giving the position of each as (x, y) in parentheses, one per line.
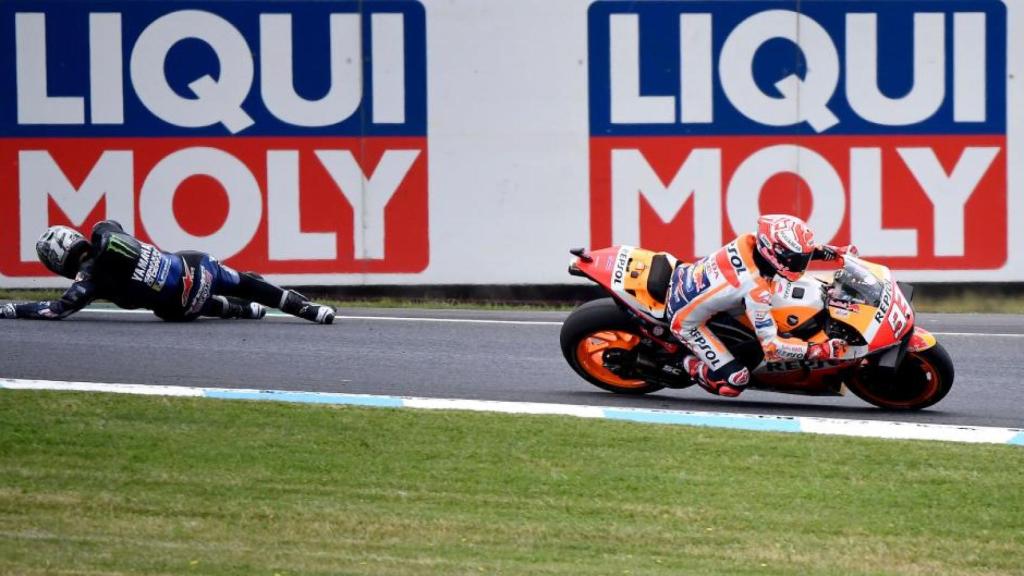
(622, 343)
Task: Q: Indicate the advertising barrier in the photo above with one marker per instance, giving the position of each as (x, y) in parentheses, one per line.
(401, 142)
(286, 138)
(881, 123)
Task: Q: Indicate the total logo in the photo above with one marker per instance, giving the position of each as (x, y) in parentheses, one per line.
(881, 123)
(219, 127)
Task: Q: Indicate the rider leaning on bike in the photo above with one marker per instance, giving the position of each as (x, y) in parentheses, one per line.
(742, 275)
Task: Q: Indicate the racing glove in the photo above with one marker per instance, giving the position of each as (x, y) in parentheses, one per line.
(829, 253)
(8, 311)
(827, 350)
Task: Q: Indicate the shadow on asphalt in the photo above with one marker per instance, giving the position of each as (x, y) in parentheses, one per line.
(715, 404)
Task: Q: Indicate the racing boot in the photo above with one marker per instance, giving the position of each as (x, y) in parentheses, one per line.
(701, 374)
(252, 311)
(297, 305)
(226, 307)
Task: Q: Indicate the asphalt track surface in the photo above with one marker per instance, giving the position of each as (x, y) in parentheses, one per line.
(481, 355)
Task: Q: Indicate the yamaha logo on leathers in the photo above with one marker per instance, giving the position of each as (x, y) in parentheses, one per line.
(151, 268)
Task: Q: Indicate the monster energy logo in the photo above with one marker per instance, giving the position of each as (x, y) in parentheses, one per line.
(121, 246)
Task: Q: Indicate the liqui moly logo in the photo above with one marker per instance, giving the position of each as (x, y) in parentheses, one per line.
(882, 123)
(287, 137)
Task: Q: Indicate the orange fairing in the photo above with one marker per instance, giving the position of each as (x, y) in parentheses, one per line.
(860, 316)
(635, 282)
(921, 340)
(789, 317)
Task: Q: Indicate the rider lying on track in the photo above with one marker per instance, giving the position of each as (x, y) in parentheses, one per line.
(181, 286)
(742, 276)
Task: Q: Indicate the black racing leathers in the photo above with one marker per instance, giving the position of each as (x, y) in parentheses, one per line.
(179, 286)
(131, 274)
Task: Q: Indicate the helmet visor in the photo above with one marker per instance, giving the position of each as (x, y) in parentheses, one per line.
(794, 261)
(60, 249)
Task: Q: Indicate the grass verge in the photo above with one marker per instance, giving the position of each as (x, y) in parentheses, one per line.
(139, 485)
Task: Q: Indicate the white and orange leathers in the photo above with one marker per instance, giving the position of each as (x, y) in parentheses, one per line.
(727, 280)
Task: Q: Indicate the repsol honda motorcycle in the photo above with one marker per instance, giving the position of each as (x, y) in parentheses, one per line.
(623, 343)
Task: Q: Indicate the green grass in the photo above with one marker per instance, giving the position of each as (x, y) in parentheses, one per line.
(968, 301)
(109, 484)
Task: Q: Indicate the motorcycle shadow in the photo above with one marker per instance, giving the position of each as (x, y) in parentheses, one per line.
(699, 401)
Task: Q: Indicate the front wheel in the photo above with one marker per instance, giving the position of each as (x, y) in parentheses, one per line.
(592, 330)
(922, 379)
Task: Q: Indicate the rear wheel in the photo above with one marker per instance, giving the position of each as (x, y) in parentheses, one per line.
(922, 379)
(594, 329)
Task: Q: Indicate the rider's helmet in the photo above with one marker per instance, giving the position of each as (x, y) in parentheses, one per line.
(60, 249)
(786, 243)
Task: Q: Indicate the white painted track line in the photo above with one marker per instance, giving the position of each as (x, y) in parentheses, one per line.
(755, 422)
(276, 314)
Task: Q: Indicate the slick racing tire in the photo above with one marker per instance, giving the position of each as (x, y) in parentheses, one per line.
(921, 380)
(593, 329)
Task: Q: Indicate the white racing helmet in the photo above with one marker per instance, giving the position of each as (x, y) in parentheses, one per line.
(60, 249)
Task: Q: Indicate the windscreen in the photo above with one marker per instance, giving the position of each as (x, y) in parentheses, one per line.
(855, 283)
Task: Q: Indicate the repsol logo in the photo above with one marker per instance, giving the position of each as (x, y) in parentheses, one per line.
(704, 348)
(794, 365)
(886, 301)
(620, 267)
(735, 259)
